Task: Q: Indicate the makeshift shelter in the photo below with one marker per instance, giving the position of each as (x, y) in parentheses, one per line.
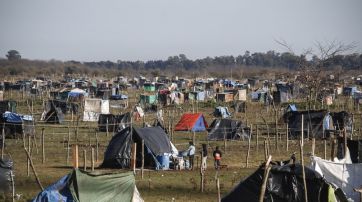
(345, 176)
(115, 122)
(81, 186)
(318, 122)
(147, 99)
(6, 166)
(156, 142)
(149, 87)
(192, 122)
(7, 105)
(77, 95)
(285, 183)
(52, 113)
(197, 95)
(221, 112)
(224, 97)
(349, 91)
(229, 129)
(16, 125)
(93, 107)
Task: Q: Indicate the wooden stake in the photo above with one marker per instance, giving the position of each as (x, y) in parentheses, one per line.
(92, 159)
(68, 146)
(265, 179)
(134, 156)
(332, 148)
(75, 156)
(85, 159)
(107, 128)
(43, 145)
(313, 146)
(257, 139)
(325, 149)
(218, 190)
(34, 171)
(3, 142)
(143, 157)
(249, 141)
(97, 146)
(265, 149)
(287, 138)
(28, 160)
(303, 171)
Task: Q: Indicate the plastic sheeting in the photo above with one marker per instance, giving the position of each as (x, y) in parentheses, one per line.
(80, 186)
(222, 112)
(344, 176)
(228, 129)
(118, 152)
(6, 166)
(192, 122)
(285, 183)
(93, 108)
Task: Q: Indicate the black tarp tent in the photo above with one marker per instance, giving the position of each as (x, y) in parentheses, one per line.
(285, 183)
(118, 152)
(52, 113)
(228, 129)
(115, 122)
(319, 122)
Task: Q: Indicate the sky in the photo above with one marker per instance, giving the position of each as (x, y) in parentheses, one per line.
(93, 30)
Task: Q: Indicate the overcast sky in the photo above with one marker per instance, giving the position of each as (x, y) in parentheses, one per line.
(93, 30)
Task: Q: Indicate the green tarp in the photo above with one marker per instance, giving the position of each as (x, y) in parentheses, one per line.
(102, 187)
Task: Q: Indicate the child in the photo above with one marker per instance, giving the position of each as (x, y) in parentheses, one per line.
(217, 157)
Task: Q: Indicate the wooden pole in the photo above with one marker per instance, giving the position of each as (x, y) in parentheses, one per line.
(257, 139)
(134, 156)
(202, 171)
(143, 158)
(303, 171)
(3, 141)
(107, 128)
(249, 141)
(218, 190)
(75, 156)
(92, 158)
(224, 140)
(276, 131)
(287, 137)
(34, 171)
(97, 146)
(313, 146)
(28, 160)
(265, 179)
(43, 145)
(265, 149)
(85, 159)
(332, 148)
(325, 149)
(345, 143)
(68, 146)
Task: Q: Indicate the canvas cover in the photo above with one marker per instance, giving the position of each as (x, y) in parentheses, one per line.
(192, 122)
(285, 183)
(228, 129)
(345, 176)
(118, 152)
(94, 107)
(81, 186)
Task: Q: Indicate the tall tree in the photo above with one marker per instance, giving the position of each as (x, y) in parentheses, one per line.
(13, 55)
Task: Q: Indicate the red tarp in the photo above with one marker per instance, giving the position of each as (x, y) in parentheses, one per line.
(193, 122)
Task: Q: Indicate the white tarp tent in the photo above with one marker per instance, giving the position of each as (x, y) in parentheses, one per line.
(343, 175)
(93, 107)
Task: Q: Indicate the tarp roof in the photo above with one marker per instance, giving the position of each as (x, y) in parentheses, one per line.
(285, 183)
(194, 122)
(81, 186)
(226, 128)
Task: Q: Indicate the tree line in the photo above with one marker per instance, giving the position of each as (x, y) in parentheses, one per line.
(14, 64)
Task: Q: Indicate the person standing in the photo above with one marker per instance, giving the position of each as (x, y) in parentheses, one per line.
(191, 154)
(203, 157)
(217, 157)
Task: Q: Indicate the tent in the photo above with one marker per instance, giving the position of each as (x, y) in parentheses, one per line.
(156, 141)
(192, 122)
(93, 107)
(285, 183)
(7, 105)
(81, 186)
(115, 122)
(345, 176)
(52, 113)
(320, 122)
(222, 112)
(228, 129)
(16, 125)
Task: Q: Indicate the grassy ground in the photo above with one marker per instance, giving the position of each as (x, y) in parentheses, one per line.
(156, 185)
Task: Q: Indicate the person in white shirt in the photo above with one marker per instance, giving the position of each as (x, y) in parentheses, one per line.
(191, 154)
